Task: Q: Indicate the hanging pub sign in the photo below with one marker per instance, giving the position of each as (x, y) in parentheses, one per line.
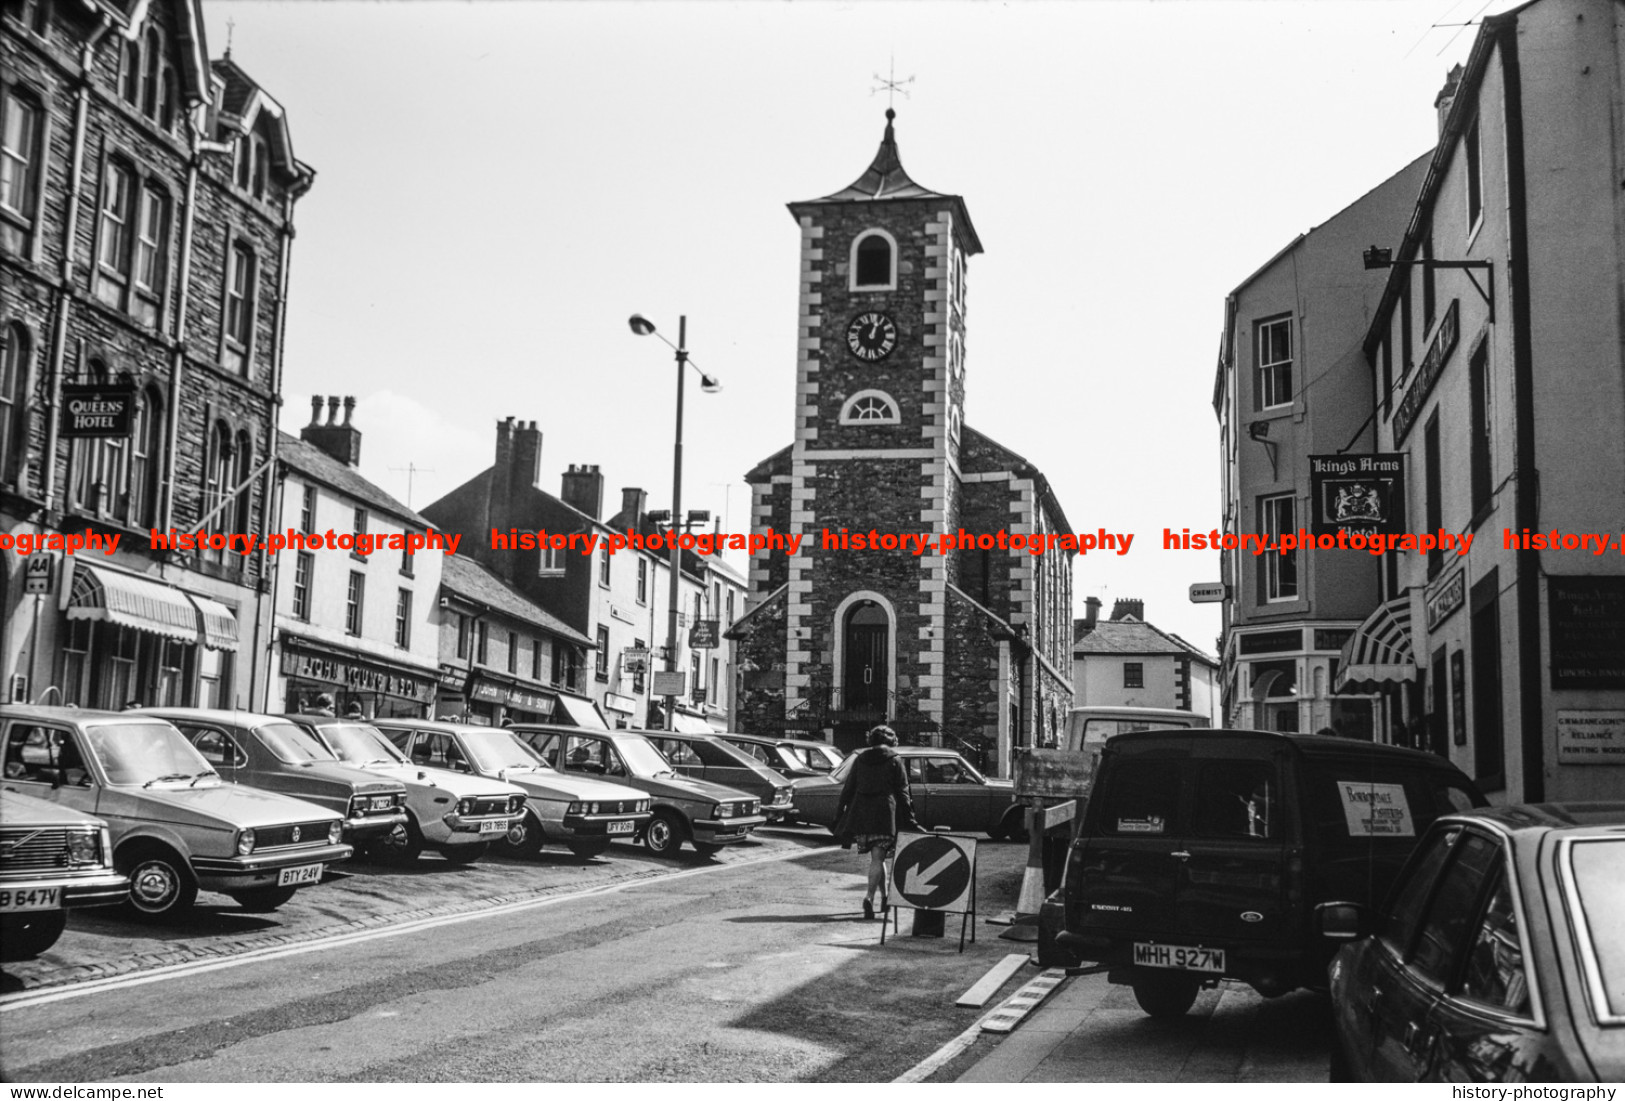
(1357, 494)
(97, 410)
(704, 634)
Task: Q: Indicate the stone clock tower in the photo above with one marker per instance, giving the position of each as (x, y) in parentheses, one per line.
(844, 634)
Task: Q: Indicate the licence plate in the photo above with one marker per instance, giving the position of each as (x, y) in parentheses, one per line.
(383, 802)
(40, 898)
(621, 827)
(298, 877)
(499, 825)
(1179, 958)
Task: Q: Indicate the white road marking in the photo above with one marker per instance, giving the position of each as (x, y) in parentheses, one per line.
(1041, 986)
(989, 984)
(27, 999)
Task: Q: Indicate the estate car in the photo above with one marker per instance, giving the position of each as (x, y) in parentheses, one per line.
(52, 859)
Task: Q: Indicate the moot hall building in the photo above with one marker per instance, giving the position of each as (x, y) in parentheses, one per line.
(968, 649)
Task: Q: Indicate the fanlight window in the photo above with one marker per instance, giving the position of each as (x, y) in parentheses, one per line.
(870, 407)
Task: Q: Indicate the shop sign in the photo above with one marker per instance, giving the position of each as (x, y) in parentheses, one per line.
(490, 691)
(635, 660)
(1444, 342)
(1458, 697)
(1587, 631)
(1208, 592)
(626, 705)
(39, 574)
(355, 676)
(1443, 601)
(669, 682)
(1590, 737)
(704, 634)
(97, 411)
(453, 677)
(1357, 494)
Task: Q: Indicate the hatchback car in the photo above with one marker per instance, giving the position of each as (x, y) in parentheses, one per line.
(709, 757)
(175, 826)
(1499, 955)
(778, 755)
(706, 815)
(456, 814)
(944, 788)
(263, 751)
(52, 859)
(582, 814)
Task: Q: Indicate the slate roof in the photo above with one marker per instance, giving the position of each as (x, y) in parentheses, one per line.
(472, 581)
(319, 466)
(1132, 636)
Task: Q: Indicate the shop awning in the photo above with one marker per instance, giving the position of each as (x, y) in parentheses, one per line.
(219, 625)
(1379, 652)
(690, 724)
(132, 601)
(582, 712)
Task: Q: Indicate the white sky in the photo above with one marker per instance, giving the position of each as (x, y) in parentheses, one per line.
(499, 185)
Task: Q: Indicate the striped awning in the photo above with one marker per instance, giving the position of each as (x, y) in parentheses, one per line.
(1379, 652)
(690, 724)
(219, 625)
(132, 601)
(582, 712)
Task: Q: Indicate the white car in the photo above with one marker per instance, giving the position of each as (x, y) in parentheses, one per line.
(454, 813)
(582, 813)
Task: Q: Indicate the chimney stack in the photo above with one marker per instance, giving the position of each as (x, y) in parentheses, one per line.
(1091, 617)
(1128, 609)
(634, 503)
(1447, 96)
(527, 456)
(583, 489)
(341, 441)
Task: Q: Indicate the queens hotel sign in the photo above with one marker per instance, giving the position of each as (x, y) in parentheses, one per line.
(97, 411)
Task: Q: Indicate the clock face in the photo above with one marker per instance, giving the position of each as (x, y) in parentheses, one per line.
(871, 336)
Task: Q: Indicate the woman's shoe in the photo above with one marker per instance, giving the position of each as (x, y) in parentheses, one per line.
(868, 910)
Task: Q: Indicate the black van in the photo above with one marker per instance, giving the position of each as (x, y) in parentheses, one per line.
(1203, 854)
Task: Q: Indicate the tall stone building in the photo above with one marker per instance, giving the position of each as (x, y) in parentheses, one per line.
(968, 648)
(146, 217)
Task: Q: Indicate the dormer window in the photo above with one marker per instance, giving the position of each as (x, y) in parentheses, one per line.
(261, 166)
(870, 407)
(874, 261)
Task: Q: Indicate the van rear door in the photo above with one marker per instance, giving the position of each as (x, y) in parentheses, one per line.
(1128, 873)
(1232, 863)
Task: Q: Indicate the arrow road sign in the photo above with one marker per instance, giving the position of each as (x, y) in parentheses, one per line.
(935, 871)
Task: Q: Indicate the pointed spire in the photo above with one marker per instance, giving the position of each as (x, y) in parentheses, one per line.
(885, 178)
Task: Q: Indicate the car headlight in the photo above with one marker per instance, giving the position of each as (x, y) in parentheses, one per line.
(245, 842)
(335, 832)
(84, 848)
(465, 806)
(753, 807)
(725, 810)
(574, 808)
(516, 804)
(643, 807)
(592, 808)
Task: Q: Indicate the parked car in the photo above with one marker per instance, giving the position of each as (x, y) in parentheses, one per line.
(263, 751)
(786, 756)
(819, 756)
(708, 757)
(944, 788)
(583, 815)
(1499, 955)
(455, 814)
(706, 815)
(1203, 853)
(175, 826)
(52, 859)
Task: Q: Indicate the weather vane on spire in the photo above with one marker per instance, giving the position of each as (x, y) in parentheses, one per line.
(231, 29)
(890, 84)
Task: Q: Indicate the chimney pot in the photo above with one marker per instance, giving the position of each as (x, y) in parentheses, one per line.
(332, 408)
(349, 409)
(341, 441)
(315, 409)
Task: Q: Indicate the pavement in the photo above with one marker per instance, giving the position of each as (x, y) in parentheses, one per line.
(1091, 1031)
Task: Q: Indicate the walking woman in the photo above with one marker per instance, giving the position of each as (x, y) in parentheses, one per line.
(874, 808)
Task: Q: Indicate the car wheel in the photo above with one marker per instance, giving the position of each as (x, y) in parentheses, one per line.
(664, 833)
(706, 849)
(401, 846)
(586, 850)
(1012, 827)
(523, 839)
(26, 935)
(465, 853)
(161, 885)
(262, 900)
(1165, 996)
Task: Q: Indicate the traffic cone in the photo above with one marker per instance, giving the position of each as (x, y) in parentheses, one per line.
(1030, 900)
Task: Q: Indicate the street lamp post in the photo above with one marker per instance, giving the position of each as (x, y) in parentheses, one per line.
(642, 326)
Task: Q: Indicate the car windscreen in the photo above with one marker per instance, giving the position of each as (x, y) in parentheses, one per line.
(494, 750)
(641, 757)
(292, 744)
(143, 752)
(1596, 871)
(360, 744)
(822, 758)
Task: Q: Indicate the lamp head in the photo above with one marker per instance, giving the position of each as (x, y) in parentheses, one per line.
(640, 325)
(1259, 430)
(710, 384)
(1375, 257)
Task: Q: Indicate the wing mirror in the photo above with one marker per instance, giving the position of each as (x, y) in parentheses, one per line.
(1342, 920)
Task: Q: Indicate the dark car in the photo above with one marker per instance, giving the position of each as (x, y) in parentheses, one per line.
(944, 788)
(709, 757)
(1499, 955)
(263, 751)
(52, 859)
(1202, 854)
(706, 815)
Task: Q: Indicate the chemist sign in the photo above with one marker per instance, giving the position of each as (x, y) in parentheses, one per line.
(97, 411)
(936, 871)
